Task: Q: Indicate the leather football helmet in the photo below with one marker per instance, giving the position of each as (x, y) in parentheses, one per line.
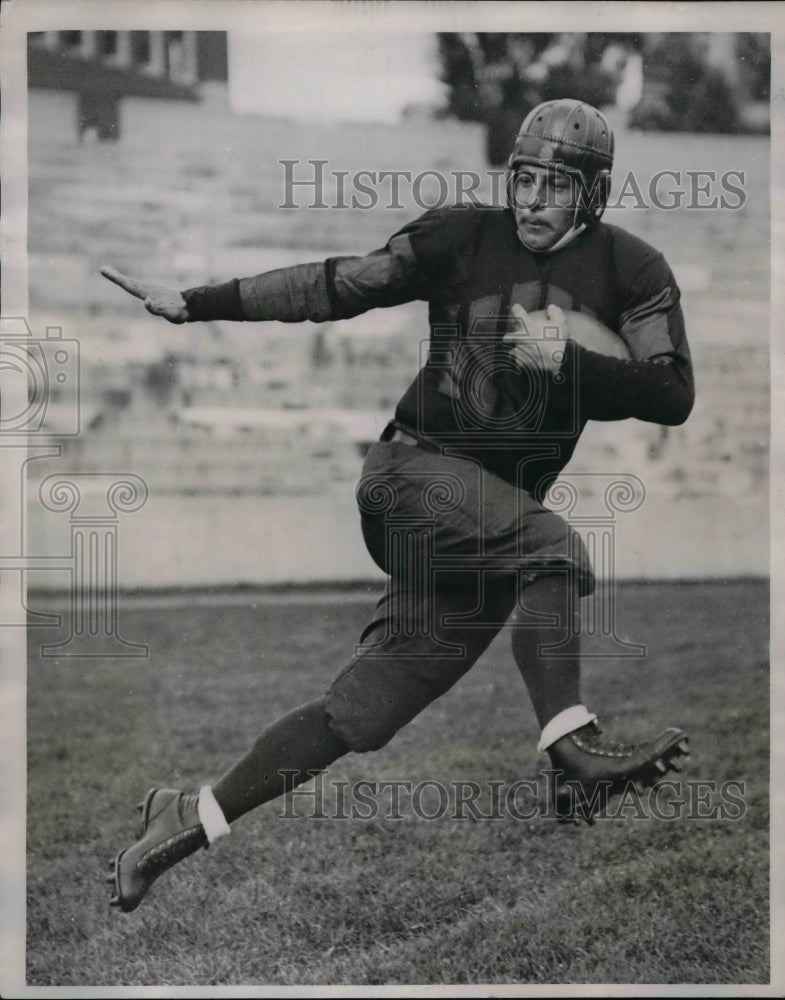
(575, 138)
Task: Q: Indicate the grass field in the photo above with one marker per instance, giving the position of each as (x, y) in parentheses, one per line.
(380, 901)
(383, 901)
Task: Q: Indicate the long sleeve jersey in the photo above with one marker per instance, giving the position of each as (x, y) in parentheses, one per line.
(469, 265)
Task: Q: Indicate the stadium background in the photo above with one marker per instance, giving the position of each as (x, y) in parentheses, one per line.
(249, 438)
(262, 426)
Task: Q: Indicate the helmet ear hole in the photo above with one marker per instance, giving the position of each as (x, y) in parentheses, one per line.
(596, 198)
(603, 192)
(606, 189)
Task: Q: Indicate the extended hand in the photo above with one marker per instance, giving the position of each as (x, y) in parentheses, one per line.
(539, 339)
(157, 300)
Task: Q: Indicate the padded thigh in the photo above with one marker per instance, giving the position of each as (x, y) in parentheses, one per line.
(411, 652)
(466, 518)
(458, 545)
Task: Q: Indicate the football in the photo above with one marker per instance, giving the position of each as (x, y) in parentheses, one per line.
(585, 330)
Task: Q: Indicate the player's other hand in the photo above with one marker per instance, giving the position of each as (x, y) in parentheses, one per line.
(157, 300)
(537, 339)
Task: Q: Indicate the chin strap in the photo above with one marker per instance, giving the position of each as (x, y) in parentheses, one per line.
(568, 237)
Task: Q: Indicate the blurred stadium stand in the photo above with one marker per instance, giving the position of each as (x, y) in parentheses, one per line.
(99, 68)
(163, 202)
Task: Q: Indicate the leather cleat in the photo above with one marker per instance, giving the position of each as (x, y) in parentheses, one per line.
(171, 831)
(590, 769)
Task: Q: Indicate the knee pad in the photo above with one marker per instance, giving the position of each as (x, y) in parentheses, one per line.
(559, 539)
(370, 700)
(357, 727)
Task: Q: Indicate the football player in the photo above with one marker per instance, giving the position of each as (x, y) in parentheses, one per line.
(451, 497)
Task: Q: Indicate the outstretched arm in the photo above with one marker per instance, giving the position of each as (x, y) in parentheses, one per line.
(157, 300)
(337, 288)
(408, 267)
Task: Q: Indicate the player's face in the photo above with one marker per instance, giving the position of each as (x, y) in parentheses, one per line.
(544, 204)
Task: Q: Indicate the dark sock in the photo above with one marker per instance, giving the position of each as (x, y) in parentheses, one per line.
(300, 744)
(553, 682)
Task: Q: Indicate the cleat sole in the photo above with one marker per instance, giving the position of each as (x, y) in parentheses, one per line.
(143, 808)
(649, 770)
(132, 872)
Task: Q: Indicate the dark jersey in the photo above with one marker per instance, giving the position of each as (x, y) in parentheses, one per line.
(471, 268)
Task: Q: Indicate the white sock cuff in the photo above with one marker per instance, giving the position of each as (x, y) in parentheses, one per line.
(211, 815)
(565, 722)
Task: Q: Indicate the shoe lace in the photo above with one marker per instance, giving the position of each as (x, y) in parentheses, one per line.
(591, 737)
(188, 807)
